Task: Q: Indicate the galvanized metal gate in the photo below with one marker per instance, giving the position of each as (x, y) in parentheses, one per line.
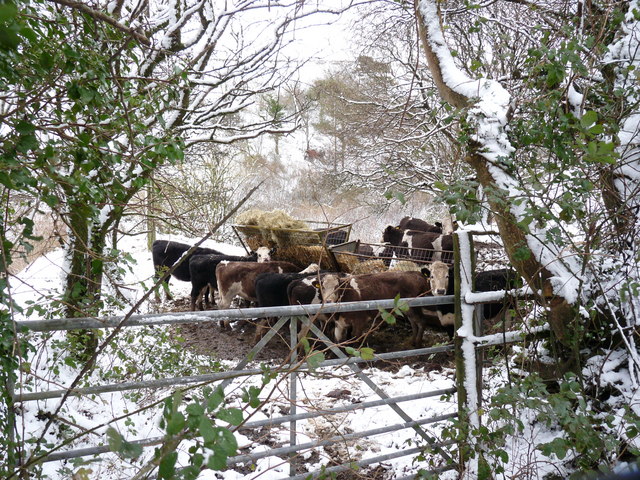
(468, 376)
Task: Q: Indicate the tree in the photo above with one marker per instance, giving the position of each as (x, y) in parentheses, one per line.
(99, 97)
(95, 98)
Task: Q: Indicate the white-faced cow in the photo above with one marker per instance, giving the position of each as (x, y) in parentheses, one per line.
(420, 246)
(442, 283)
(167, 253)
(373, 286)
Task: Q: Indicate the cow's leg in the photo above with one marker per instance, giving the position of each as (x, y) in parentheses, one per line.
(340, 327)
(262, 327)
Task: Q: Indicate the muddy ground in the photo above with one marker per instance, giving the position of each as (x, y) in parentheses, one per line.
(235, 343)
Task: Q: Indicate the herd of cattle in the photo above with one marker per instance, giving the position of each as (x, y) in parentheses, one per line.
(256, 279)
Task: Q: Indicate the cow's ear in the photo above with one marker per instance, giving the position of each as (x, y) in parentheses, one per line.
(426, 272)
(315, 284)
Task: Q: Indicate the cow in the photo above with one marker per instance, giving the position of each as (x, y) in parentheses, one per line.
(374, 286)
(202, 269)
(308, 291)
(442, 283)
(238, 279)
(411, 223)
(421, 246)
(271, 291)
(166, 253)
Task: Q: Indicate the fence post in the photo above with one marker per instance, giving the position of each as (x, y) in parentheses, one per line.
(293, 394)
(465, 352)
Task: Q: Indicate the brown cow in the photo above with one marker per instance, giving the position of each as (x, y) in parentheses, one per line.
(238, 279)
(374, 286)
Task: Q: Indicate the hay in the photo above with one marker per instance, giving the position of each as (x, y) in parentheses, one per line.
(369, 266)
(405, 266)
(346, 261)
(273, 219)
(275, 228)
(304, 255)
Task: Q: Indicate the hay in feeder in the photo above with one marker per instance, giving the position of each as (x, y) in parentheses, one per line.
(304, 255)
(369, 266)
(405, 266)
(276, 228)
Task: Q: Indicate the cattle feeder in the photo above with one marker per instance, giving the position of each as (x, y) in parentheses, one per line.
(301, 246)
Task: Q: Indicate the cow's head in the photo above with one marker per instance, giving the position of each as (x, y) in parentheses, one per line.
(392, 235)
(439, 278)
(264, 254)
(329, 287)
(312, 268)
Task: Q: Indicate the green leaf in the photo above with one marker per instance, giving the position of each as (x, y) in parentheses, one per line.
(8, 11)
(207, 431)
(588, 119)
(195, 409)
(215, 400)
(217, 461)
(226, 441)
(231, 415)
(367, 353)
(119, 445)
(314, 360)
(176, 423)
(352, 351)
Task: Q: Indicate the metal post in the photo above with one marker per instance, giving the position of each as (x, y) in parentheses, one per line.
(464, 341)
(293, 394)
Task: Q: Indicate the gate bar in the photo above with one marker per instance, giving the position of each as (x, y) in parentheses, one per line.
(381, 393)
(369, 461)
(230, 314)
(274, 452)
(212, 377)
(83, 452)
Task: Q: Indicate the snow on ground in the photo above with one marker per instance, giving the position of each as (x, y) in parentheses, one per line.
(141, 355)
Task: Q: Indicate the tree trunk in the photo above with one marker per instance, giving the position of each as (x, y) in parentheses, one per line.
(514, 238)
(81, 291)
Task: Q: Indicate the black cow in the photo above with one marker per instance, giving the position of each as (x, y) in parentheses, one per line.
(488, 281)
(202, 269)
(271, 291)
(166, 253)
(410, 223)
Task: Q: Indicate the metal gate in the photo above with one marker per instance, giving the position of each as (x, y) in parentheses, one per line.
(296, 367)
(468, 374)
